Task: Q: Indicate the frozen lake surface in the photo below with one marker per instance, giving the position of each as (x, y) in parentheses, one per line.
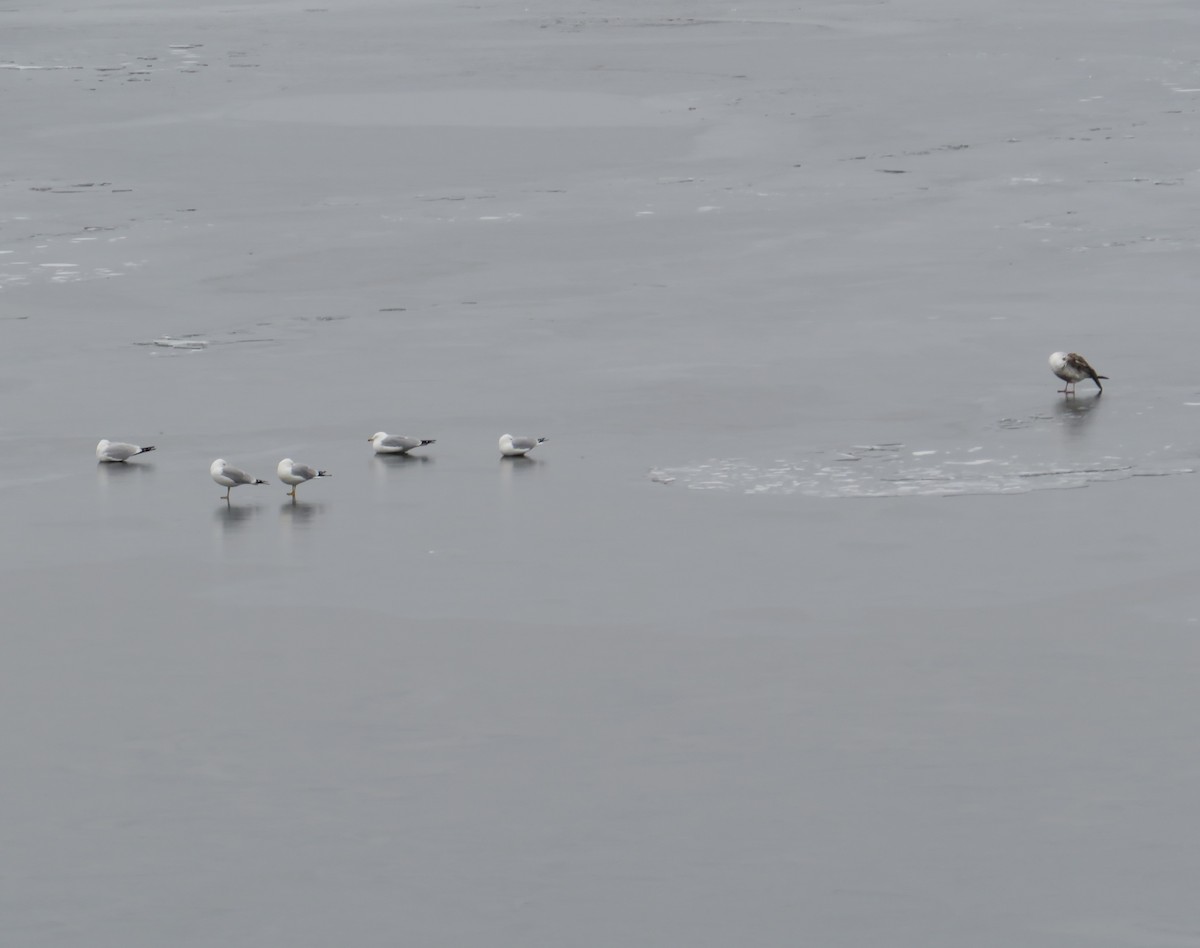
(820, 619)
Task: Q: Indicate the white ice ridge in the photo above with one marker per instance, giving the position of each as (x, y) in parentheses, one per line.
(893, 471)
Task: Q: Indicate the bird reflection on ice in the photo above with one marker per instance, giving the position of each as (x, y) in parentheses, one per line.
(1076, 413)
(299, 513)
(233, 516)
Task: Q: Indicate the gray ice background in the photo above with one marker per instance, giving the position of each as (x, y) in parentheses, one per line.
(723, 664)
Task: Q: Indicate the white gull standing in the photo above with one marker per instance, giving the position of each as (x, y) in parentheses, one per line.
(229, 476)
(116, 451)
(296, 474)
(384, 443)
(1071, 367)
(518, 447)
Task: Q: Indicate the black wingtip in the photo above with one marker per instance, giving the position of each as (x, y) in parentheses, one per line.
(425, 441)
(148, 447)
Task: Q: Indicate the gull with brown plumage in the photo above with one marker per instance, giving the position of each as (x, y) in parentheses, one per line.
(1071, 367)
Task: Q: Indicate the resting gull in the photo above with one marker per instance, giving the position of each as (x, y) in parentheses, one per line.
(229, 476)
(296, 474)
(512, 447)
(384, 443)
(119, 450)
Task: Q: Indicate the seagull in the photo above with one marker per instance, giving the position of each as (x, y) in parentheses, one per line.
(512, 447)
(296, 474)
(1071, 367)
(385, 443)
(119, 450)
(229, 476)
